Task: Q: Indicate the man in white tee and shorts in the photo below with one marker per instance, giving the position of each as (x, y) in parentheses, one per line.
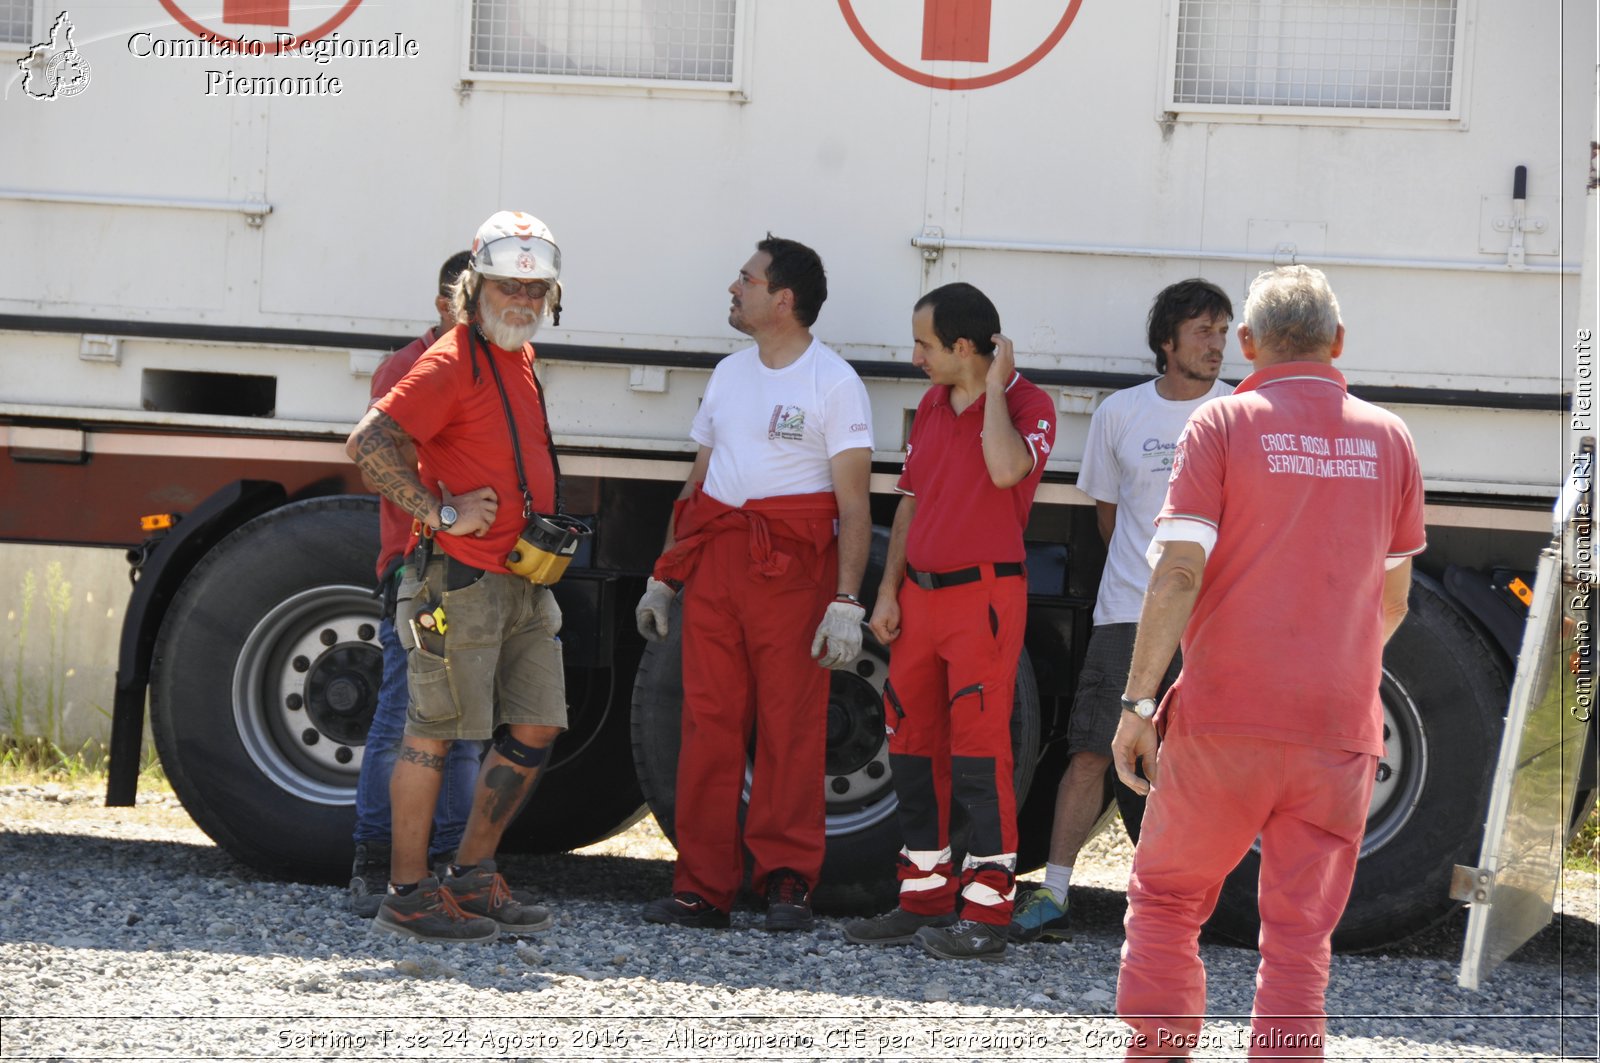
(1126, 464)
(768, 541)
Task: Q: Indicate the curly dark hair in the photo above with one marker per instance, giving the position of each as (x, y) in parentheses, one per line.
(1178, 303)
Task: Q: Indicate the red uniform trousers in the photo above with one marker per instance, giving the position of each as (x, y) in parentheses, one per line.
(948, 708)
(1216, 794)
(750, 605)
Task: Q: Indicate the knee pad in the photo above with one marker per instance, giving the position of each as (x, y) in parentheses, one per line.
(518, 753)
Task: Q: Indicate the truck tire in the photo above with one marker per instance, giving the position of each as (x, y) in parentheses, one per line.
(264, 679)
(862, 830)
(1445, 688)
(263, 682)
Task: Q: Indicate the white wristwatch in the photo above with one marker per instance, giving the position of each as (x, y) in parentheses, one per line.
(1144, 708)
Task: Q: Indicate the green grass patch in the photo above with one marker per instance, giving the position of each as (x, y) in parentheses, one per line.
(1583, 852)
(33, 759)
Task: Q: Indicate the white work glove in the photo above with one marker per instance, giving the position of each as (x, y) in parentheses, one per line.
(841, 630)
(651, 614)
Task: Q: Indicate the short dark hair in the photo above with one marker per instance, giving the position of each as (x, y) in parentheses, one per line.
(1176, 304)
(961, 311)
(796, 268)
(452, 268)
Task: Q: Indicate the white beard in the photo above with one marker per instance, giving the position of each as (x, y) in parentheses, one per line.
(507, 337)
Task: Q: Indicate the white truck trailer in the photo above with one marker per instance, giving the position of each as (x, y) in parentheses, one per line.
(218, 214)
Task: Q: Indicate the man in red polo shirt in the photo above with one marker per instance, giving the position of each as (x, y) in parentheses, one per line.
(954, 602)
(484, 658)
(1301, 508)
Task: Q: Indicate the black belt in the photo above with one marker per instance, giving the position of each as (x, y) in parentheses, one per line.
(933, 581)
(457, 574)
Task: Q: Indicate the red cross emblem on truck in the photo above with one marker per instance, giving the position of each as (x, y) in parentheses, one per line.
(952, 31)
(276, 16)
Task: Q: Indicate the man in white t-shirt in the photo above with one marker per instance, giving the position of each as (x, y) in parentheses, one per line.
(768, 542)
(1126, 464)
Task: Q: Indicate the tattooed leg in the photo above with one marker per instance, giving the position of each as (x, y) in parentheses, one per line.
(503, 788)
(413, 792)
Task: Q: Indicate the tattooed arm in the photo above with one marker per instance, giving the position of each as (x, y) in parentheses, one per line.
(380, 446)
(387, 457)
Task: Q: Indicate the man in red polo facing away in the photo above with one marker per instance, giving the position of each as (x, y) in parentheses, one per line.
(1283, 559)
(953, 603)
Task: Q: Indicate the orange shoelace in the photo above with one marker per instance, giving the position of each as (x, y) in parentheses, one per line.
(451, 906)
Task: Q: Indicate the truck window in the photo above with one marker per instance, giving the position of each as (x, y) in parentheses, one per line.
(16, 22)
(691, 42)
(1392, 58)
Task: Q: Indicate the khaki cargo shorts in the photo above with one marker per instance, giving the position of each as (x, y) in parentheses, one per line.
(498, 661)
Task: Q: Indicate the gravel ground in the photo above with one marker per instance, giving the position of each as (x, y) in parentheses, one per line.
(125, 933)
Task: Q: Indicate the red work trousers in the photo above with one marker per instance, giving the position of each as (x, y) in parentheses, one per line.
(948, 705)
(1215, 795)
(747, 668)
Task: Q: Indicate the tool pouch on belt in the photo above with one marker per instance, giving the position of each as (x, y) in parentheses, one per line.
(423, 611)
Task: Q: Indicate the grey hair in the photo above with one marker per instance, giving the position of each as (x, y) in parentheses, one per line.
(464, 298)
(464, 295)
(1291, 310)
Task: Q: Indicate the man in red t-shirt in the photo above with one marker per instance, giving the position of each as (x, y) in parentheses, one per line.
(484, 660)
(1283, 560)
(954, 603)
(370, 869)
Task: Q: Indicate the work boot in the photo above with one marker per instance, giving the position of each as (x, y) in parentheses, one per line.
(686, 909)
(964, 940)
(896, 927)
(441, 867)
(788, 902)
(481, 891)
(369, 878)
(1037, 916)
(430, 913)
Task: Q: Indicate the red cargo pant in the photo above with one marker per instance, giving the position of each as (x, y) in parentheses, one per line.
(948, 705)
(1216, 794)
(747, 668)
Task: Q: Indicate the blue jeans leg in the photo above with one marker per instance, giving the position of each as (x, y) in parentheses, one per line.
(383, 747)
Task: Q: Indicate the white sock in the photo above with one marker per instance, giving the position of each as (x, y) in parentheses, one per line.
(1057, 877)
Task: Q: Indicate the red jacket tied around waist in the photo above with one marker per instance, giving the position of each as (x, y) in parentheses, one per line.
(807, 519)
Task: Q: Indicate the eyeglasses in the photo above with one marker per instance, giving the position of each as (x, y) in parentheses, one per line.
(532, 289)
(745, 280)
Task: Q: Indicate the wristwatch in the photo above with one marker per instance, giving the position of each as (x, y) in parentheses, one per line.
(1144, 708)
(448, 517)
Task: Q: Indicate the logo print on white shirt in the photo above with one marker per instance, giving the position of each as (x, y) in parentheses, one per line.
(788, 422)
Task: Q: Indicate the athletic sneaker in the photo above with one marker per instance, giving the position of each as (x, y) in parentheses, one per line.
(788, 901)
(964, 940)
(429, 913)
(895, 927)
(369, 878)
(686, 909)
(482, 891)
(1036, 916)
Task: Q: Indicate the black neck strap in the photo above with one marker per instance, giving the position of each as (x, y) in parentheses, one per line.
(477, 337)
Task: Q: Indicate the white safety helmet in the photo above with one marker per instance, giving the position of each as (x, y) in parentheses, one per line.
(516, 245)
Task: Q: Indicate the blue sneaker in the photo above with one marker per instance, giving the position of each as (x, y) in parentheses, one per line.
(1036, 916)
